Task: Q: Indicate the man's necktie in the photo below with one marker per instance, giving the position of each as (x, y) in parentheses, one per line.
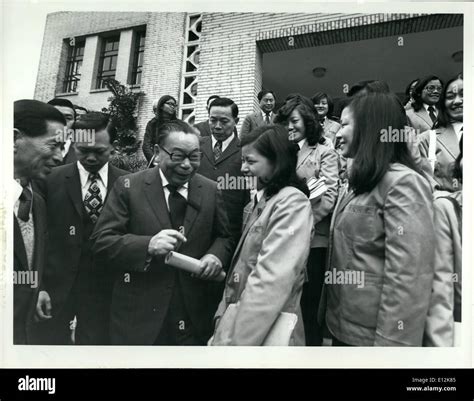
(24, 206)
(432, 114)
(217, 150)
(93, 202)
(267, 118)
(177, 204)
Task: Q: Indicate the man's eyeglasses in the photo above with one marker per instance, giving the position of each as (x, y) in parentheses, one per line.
(179, 157)
(432, 88)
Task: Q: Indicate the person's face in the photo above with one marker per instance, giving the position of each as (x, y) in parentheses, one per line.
(256, 165)
(431, 92)
(169, 106)
(296, 127)
(222, 122)
(178, 173)
(454, 100)
(68, 114)
(346, 132)
(34, 158)
(322, 107)
(93, 156)
(267, 103)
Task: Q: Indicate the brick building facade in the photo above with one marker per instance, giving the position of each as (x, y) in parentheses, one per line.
(192, 56)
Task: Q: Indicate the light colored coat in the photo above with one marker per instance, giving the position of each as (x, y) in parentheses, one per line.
(317, 161)
(388, 236)
(439, 330)
(331, 128)
(420, 120)
(447, 150)
(267, 271)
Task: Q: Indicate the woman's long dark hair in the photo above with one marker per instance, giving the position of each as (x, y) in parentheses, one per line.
(457, 170)
(417, 100)
(318, 96)
(374, 113)
(159, 107)
(407, 91)
(272, 142)
(313, 131)
(443, 117)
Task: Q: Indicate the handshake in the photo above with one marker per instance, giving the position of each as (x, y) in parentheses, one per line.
(167, 242)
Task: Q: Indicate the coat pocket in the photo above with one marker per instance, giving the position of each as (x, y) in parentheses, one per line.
(360, 297)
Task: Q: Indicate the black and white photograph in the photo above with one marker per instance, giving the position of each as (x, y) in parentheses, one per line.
(187, 179)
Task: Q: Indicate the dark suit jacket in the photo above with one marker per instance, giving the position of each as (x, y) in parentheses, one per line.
(203, 128)
(135, 211)
(229, 164)
(70, 156)
(69, 256)
(253, 121)
(24, 297)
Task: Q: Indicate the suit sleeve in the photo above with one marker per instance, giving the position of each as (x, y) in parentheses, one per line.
(147, 146)
(281, 260)
(329, 169)
(224, 244)
(246, 126)
(112, 243)
(439, 331)
(409, 257)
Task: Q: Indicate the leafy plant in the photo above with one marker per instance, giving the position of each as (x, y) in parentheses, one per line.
(122, 109)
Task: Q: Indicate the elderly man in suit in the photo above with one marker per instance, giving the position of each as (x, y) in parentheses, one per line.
(265, 115)
(36, 151)
(148, 214)
(69, 112)
(222, 160)
(75, 195)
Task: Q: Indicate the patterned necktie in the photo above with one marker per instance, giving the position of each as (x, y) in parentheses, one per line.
(177, 204)
(93, 200)
(24, 206)
(217, 150)
(432, 114)
(267, 118)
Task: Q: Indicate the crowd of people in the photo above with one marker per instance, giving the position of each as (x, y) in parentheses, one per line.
(316, 224)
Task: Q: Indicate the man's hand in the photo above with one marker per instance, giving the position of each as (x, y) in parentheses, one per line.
(43, 307)
(211, 267)
(164, 242)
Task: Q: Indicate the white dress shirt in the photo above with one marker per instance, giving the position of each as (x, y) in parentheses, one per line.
(101, 183)
(27, 228)
(225, 143)
(182, 190)
(301, 143)
(270, 116)
(435, 110)
(457, 125)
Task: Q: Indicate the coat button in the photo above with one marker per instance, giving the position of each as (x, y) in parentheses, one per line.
(155, 309)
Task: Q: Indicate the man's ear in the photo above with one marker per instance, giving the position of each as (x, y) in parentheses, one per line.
(16, 134)
(115, 145)
(156, 150)
(236, 120)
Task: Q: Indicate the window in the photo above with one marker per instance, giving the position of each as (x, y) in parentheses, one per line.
(139, 51)
(73, 67)
(107, 60)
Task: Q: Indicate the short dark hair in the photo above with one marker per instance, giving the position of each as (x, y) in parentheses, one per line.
(443, 116)
(372, 114)
(318, 96)
(225, 102)
(164, 130)
(313, 130)
(212, 97)
(57, 101)
(272, 142)
(97, 121)
(370, 86)
(417, 100)
(31, 117)
(264, 92)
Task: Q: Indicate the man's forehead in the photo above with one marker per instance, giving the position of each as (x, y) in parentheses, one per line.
(219, 111)
(181, 139)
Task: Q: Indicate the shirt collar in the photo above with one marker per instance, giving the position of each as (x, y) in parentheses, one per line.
(265, 114)
(457, 125)
(259, 194)
(17, 190)
(301, 143)
(165, 182)
(224, 143)
(84, 174)
(435, 110)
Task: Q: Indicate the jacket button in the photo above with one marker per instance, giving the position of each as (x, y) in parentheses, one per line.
(155, 309)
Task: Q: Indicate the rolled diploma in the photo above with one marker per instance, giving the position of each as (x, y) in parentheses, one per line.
(188, 264)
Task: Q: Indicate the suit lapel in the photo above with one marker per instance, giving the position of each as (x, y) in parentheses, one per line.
(156, 197)
(73, 185)
(206, 148)
(230, 150)
(304, 153)
(19, 245)
(39, 219)
(448, 140)
(425, 116)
